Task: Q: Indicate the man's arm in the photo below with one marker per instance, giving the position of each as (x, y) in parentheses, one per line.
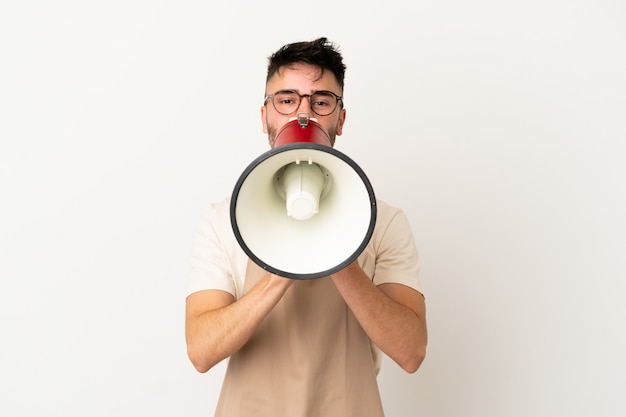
(216, 326)
(392, 315)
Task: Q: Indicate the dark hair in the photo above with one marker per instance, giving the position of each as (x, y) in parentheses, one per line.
(320, 53)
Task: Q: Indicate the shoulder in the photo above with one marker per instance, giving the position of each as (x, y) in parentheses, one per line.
(217, 261)
(388, 216)
(215, 222)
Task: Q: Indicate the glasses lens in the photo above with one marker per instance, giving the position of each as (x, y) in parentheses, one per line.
(323, 103)
(286, 102)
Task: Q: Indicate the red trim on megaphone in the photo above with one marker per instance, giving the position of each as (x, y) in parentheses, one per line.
(293, 132)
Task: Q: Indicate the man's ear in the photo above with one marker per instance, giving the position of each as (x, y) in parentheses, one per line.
(264, 119)
(342, 120)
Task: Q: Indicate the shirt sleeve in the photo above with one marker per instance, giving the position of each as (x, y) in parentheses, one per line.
(397, 259)
(211, 265)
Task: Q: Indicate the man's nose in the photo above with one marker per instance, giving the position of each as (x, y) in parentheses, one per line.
(305, 105)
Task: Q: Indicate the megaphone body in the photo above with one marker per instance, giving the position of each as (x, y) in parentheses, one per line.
(303, 210)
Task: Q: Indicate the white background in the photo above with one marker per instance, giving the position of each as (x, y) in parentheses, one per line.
(498, 126)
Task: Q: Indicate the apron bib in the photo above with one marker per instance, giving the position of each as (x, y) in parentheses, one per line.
(308, 358)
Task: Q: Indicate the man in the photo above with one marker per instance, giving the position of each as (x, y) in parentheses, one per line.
(304, 348)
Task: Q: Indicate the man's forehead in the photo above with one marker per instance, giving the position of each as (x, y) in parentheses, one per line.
(302, 72)
(310, 71)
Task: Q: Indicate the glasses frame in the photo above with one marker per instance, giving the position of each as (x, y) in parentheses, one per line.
(308, 96)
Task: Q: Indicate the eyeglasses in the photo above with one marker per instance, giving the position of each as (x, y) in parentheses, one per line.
(286, 102)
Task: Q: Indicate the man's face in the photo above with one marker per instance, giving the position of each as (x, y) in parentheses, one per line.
(305, 79)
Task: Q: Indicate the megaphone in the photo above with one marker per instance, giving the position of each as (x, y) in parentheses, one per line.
(303, 210)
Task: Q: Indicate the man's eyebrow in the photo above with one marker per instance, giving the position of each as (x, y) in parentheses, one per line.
(291, 90)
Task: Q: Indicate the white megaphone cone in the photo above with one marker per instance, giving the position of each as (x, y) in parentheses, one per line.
(303, 210)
